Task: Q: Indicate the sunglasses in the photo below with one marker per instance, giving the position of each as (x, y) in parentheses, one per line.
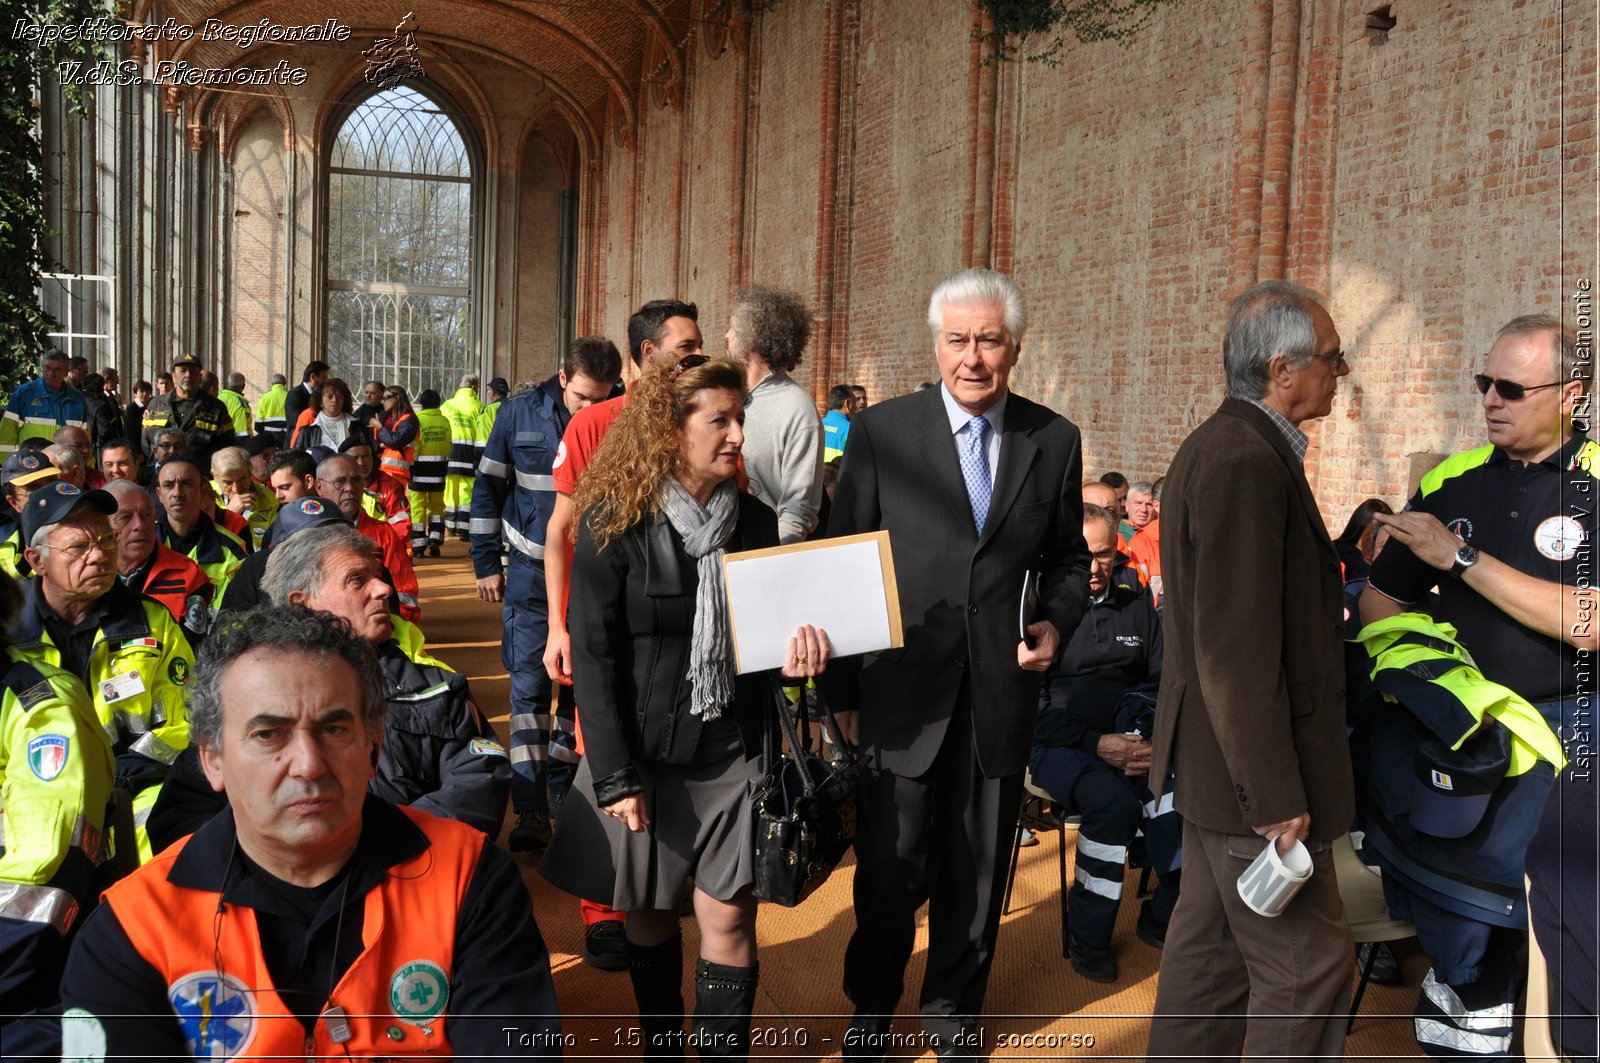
(1511, 392)
(688, 362)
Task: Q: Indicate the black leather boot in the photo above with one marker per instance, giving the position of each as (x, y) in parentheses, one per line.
(657, 974)
(723, 997)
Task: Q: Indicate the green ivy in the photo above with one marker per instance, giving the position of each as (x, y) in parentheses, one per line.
(25, 65)
(1035, 30)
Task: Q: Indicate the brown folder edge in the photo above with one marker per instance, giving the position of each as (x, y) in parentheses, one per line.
(891, 587)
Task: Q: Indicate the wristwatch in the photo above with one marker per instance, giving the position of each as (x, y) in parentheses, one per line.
(1466, 557)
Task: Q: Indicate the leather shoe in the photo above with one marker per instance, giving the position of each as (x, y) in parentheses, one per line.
(1094, 962)
(605, 945)
(531, 833)
(1150, 930)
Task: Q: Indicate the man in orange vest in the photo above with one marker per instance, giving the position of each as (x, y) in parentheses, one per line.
(309, 918)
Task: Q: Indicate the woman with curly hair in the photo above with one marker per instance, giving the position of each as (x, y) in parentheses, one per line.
(673, 737)
(327, 422)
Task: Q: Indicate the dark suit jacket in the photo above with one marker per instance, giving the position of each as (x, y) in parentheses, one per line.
(1252, 708)
(959, 591)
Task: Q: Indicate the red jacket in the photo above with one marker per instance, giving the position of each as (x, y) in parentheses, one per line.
(181, 585)
(392, 554)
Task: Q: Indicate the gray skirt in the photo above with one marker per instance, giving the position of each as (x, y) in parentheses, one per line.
(700, 816)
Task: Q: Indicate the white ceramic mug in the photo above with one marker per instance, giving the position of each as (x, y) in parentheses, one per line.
(1272, 880)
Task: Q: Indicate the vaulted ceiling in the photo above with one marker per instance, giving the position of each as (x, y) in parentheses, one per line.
(588, 61)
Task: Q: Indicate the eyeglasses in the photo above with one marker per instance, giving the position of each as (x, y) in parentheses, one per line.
(79, 550)
(344, 481)
(1336, 361)
(686, 363)
(1508, 390)
(387, 395)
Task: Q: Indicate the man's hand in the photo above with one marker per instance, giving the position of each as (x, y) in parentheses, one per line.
(631, 811)
(849, 727)
(558, 654)
(1128, 752)
(1433, 543)
(492, 588)
(241, 504)
(1046, 640)
(1288, 832)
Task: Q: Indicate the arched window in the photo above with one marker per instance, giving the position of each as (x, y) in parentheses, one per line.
(399, 244)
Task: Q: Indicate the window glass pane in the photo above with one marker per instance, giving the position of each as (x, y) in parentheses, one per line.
(408, 226)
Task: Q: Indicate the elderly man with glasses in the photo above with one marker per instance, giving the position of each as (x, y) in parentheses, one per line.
(126, 649)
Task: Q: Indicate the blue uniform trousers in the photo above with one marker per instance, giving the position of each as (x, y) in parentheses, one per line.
(543, 755)
(1112, 807)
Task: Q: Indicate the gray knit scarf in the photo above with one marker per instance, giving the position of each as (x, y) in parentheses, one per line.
(705, 532)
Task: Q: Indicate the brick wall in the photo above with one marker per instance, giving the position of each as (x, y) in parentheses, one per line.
(1426, 182)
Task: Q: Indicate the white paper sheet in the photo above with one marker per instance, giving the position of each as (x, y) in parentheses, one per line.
(837, 587)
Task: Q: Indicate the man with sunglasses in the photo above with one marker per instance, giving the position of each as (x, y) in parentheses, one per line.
(125, 648)
(1506, 533)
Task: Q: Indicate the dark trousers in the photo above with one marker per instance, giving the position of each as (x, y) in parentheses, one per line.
(1231, 977)
(944, 838)
(543, 757)
(1112, 810)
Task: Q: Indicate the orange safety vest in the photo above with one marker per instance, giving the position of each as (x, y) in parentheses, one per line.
(397, 462)
(173, 580)
(395, 995)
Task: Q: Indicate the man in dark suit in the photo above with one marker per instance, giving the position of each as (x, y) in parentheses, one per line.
(976, 486)
(1251, 712)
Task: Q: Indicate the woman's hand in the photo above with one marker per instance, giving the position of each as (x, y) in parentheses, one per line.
(374, 424)
(809, 652)
(631, 811)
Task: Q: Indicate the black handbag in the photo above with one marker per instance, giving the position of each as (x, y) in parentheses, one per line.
(805, 810)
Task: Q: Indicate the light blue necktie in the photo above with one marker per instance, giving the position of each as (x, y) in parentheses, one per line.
(975, 469)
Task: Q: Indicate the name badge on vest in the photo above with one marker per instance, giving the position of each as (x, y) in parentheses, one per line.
(126, 685)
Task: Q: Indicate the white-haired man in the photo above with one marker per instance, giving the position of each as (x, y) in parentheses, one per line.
(977, 486)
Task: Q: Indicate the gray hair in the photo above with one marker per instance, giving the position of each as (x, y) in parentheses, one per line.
(1142, 487)
(53, 355)
(64, 456)
(166, 432)
(774, 323)
(300, 563)
(983, 287)
(118, 488)
(1563, 344)
(332, 463)
(230, 459)
(278, 378)
(284, 629)
(469, 380)
(1270, 319)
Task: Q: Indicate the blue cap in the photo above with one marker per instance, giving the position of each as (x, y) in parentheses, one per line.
(303, 513)
(28, 467)
(55, 502)
(1453, 787)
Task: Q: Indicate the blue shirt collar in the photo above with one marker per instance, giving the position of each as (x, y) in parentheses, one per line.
(995, 415)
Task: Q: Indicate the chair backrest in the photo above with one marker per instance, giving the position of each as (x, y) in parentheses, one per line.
(1361, 890)
(1537, 1044)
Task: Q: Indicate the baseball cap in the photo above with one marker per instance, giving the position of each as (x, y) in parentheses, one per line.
(308, 512)
(27, 467)
(58, 501)
(1452, 787)
(186, 359)
(499, 386)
